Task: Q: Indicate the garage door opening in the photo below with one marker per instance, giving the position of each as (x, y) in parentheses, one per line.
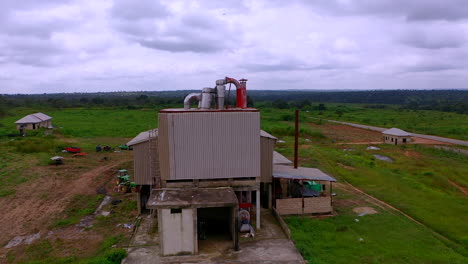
(214, 228)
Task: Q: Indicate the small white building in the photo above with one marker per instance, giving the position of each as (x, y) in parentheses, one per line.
(396, 136)
(33, 122)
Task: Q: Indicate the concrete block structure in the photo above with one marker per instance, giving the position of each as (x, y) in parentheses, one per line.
(293, 195)
(396, 136)
(33, 122)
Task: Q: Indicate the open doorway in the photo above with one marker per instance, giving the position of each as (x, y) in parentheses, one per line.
(214, 228)
(145, 192)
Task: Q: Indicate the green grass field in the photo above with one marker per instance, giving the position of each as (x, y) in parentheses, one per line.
(437, 123)
(90, 123)
(385, 237)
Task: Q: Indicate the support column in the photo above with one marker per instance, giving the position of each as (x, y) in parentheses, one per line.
(258, 208)
(270, 194)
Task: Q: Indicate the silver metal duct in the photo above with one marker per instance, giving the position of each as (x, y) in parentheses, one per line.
(220, 95)
(192, 97)
(206, 98)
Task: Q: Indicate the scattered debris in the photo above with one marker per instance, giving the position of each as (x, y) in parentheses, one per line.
(372, 148)
(104, 202)
(73, 149)
(348, 149)
(80, 154)
(356, 220)
(280, 141)
(383, 158)
(18, 240)
(57, 160)
(307, 140)
(129, 225)
(361, 239)
(105, 213)
(116, 202)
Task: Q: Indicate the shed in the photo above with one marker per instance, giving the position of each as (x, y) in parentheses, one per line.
(184, 214)
(145, 157)
(146, 165)
(296, 192)
(396, 136)
(33, 122)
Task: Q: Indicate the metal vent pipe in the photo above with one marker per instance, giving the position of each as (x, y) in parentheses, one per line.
(191, 98)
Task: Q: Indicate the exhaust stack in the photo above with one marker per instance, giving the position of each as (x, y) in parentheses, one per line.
(205, 98)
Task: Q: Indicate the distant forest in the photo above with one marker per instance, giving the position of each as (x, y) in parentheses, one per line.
(441, 100)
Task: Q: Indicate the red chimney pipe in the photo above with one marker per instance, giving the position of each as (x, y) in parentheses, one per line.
(241, 91)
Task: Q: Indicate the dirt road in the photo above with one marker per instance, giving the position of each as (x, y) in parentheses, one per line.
(380, 129)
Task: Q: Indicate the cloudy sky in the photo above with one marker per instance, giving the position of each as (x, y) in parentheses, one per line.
(53, 46)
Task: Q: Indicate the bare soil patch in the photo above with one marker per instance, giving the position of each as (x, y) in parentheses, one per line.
(412, 154)
(345, 166)
(38, 202)
(425, 141)
(349, 134)
(364, 210)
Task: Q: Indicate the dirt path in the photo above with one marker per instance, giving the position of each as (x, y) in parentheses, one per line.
(39, 201)
(461, 188)
(428, 137)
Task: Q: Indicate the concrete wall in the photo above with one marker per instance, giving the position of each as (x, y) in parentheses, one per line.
(209, 145)
(396, 140)
(145, 154)
(289, 206)
(312, 205)
(177, 231)
(30, 126)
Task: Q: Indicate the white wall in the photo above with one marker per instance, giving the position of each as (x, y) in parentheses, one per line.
(177, 232)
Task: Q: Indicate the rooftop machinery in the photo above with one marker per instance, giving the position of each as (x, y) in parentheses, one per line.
(216, 94)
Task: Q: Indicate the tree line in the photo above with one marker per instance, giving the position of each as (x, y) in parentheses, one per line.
(441, 100)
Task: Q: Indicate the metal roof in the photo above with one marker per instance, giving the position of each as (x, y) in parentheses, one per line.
(194, 197)
(301, 173)
(143, 137)
(396, 132)
(280, 159)
(33, 118)
(265, 134)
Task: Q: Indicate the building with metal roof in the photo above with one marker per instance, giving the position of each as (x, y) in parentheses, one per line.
(396, 136)
(33, 122)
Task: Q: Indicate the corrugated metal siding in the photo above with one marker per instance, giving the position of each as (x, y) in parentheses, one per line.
(163, 146)
(267, 146)
(210, 145)
(143, 172)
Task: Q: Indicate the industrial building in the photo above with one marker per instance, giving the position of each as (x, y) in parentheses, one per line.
(204, 169)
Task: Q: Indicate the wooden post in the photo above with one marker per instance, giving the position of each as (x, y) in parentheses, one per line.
(296, 139)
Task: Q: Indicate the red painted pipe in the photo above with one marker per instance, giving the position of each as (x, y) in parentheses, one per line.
(241, 91)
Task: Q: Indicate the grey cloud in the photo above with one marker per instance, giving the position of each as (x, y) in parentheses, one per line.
(410, 9)
(181, 45)
(287, 65)
(436, 37)
(144, 9)
(31, 51)
(192, 31)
